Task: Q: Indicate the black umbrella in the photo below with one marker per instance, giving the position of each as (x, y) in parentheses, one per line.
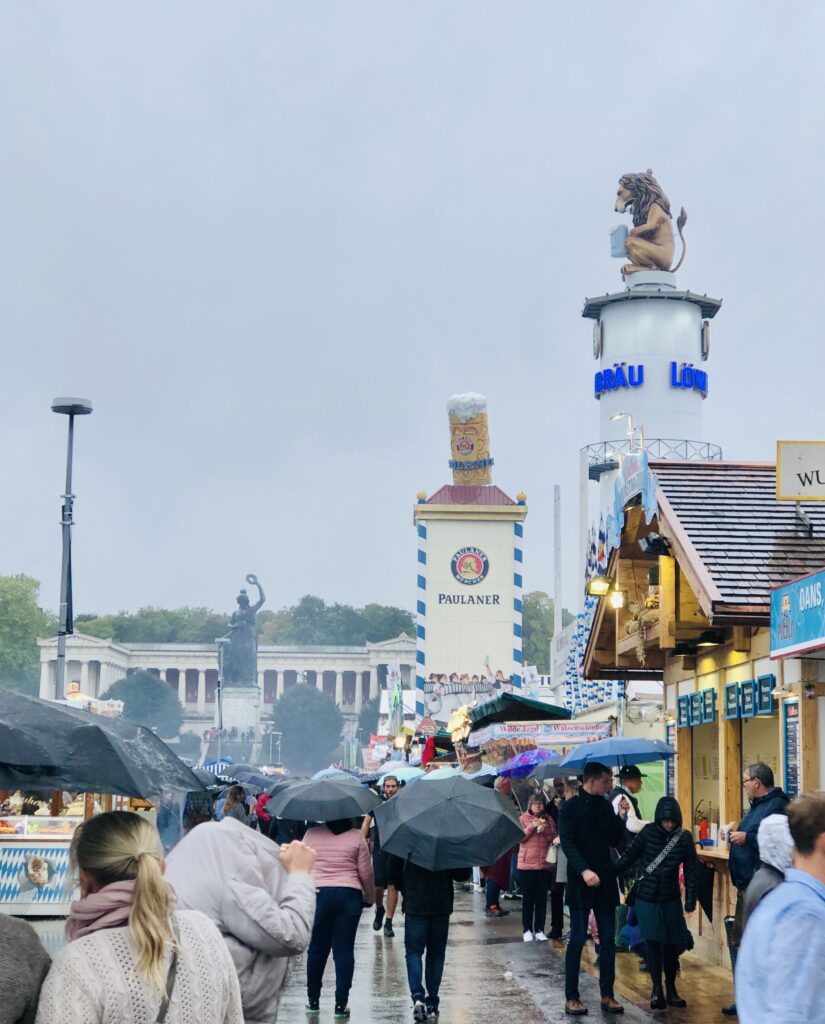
(264, 783)
(209, 779)
(451, 823)
(323, 800)
(57, 747)
(548, 770)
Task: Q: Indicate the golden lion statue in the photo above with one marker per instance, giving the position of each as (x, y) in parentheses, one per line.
(650, 242)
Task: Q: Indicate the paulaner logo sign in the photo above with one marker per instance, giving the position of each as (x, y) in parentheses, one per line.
(470, 566)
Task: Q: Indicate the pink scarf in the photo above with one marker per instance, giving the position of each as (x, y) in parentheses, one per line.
(108, 908)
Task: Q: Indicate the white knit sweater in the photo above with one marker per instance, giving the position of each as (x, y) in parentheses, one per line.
(94, 980)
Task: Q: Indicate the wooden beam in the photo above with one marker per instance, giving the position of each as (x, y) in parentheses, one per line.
(667, 600)
(742, 639)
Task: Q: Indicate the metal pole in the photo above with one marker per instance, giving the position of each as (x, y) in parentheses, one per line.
(557, 599)
(65, 571)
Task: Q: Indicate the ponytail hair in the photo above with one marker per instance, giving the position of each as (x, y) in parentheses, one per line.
(120, 846)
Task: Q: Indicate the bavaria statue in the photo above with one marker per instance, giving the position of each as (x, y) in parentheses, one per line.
(239, 661)
(649, 243)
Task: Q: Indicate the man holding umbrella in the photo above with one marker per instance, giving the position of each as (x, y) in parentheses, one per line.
(589, 829)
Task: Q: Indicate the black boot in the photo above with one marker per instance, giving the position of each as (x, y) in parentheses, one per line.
(657, 999)
(673, 997)
(733, 949)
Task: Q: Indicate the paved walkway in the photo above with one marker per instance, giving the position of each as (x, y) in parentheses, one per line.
(476, 987)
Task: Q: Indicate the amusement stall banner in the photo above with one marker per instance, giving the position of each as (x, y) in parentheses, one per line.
(554, 734)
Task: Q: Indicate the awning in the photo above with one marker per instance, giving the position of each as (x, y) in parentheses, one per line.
(512, 707)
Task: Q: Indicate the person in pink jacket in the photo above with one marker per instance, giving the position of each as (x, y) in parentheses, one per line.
(533, 869)
(344, 886)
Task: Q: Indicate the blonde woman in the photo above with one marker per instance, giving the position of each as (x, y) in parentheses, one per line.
(130, 958)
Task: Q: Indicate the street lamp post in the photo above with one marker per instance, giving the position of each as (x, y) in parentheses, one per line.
(70, 407)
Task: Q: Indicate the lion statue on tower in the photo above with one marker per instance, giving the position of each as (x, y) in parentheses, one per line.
(650, 241)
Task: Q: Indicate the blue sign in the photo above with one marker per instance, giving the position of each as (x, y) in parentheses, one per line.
(695, 708)
(764, 694)
(747, 698)
(683, 712)
(687, 376)
(798, 616)
(623, 375)
(732, 700)
(708, 706)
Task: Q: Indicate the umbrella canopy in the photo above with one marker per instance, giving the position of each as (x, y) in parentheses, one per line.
(263, 783)
(523, 764)
(402, 771)
(455, 824)
(447, 772)
(546, 770)
(323, 800)
(331, 773)
(46, 745)
(617, 751)
(208, 779)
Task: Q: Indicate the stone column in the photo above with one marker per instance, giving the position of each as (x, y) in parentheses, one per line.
(261, 685)
(46, 679)
(84, 677)
(359, 691)
(319, 680)
(162, 675)
(279, 684)
(202, 691)
(373, 682)
(182, 686)
(339, 689)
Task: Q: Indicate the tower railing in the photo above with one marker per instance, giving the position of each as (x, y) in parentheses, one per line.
(603, 456)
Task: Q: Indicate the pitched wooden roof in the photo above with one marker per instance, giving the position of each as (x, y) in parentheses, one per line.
(732, 537)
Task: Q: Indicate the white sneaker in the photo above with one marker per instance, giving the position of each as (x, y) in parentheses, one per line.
(541, 937)
(528, 936)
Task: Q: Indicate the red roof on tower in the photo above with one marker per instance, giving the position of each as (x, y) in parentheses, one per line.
(467, 494)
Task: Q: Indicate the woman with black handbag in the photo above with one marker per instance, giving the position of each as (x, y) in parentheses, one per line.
(660, 848)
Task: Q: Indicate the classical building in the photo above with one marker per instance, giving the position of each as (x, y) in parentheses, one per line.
(350, 675)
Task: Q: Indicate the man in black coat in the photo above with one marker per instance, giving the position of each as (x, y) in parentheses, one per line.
(589, 829)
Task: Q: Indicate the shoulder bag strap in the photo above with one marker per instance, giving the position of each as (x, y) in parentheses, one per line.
(170, 977)
(671, 843)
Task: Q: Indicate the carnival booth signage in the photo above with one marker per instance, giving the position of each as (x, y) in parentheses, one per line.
(798, 616)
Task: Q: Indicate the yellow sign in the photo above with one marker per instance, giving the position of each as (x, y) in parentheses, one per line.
(800, 470)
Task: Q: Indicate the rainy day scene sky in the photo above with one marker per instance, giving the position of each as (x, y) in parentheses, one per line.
(269, 241)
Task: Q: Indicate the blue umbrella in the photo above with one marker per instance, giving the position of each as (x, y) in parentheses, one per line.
(619, 750)
(331, 773)
(523, 764)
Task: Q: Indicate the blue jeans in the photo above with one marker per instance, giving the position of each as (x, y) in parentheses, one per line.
(425, 934)
(337, 913)
(606, 923)
(493, 894)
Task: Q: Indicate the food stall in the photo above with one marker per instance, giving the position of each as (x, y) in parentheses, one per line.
(34, 864)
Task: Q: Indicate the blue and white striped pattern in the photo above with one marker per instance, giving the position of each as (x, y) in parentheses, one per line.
(14, 884)
(421, 623)
(518, 582)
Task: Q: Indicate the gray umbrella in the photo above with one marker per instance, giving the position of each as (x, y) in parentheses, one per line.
(50, 746)
(323, 800)
(451, 823)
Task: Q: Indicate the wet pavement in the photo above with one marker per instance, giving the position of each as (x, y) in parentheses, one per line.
(490, 976)
(481, 953)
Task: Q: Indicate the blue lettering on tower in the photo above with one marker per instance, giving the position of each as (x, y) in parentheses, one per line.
(621, 375)
(687, 376)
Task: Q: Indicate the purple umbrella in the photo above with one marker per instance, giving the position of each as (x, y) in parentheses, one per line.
(522, 764)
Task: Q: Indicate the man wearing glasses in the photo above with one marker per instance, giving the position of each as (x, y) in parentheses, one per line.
(764, 798)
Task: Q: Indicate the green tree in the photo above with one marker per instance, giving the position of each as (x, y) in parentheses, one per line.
(148, 701)
(22, 621)
(368, 718)
(156, 625)
(188, 745)
(310, 725)
(384, 622)
(313, 621)
(537, 629)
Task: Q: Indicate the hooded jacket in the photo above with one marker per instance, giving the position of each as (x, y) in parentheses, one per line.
(744, 859)
(662, 885)
(775, 849)
(233, 874)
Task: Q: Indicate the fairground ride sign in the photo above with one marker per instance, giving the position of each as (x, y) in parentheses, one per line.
(800, 470)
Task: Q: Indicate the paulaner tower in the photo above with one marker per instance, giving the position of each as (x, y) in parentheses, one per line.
(469, 580)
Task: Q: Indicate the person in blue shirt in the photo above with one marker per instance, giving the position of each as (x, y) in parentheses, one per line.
(786, 932)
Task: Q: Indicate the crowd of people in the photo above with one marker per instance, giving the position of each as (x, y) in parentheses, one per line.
(233, 735)
(205, 934)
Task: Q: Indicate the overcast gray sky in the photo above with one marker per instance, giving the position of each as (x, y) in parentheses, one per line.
(269, 240)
